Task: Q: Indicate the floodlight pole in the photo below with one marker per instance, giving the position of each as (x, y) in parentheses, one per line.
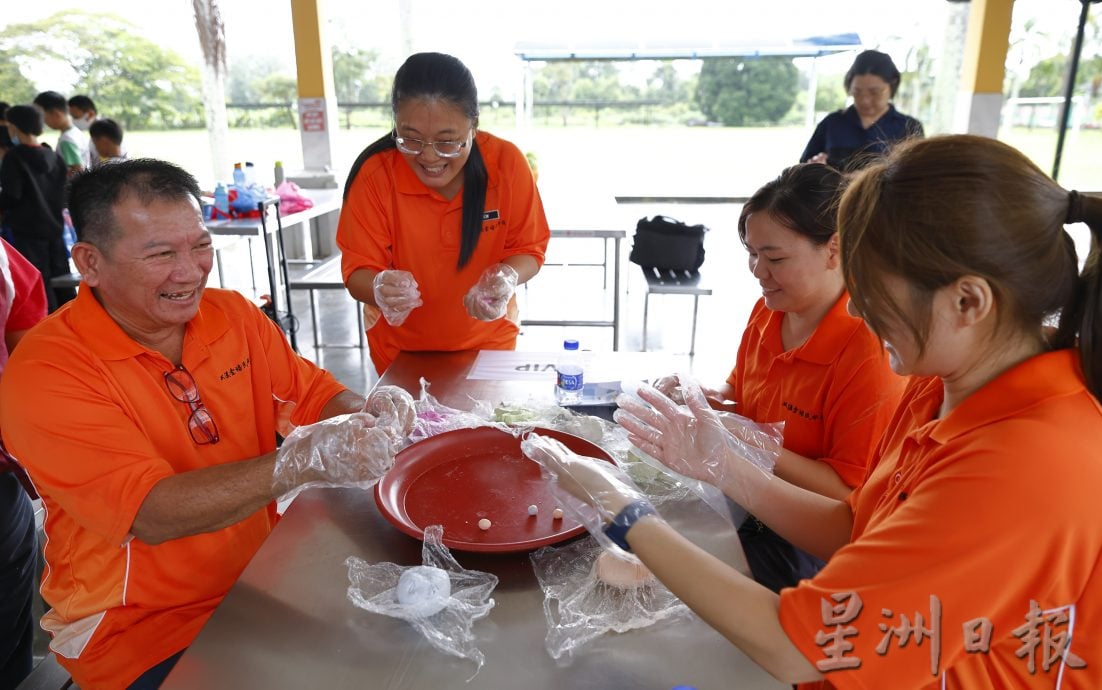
(1069, 87)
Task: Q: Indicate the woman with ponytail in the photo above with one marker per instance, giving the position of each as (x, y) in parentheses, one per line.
(971, 557)
(440, 221)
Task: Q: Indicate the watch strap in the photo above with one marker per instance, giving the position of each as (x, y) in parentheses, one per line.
(617, 530)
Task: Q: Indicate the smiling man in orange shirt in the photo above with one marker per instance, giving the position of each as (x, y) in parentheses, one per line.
(145, 412)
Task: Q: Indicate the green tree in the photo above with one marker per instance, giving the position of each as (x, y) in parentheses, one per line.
(132, 79)
(741, 91)
(283, 89)
(356, 76)
(14, 87)
(1047, 76)
(246, 73)
(666, 85)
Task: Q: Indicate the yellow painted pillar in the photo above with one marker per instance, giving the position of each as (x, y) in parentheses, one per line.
(980, 94)
(317, 97)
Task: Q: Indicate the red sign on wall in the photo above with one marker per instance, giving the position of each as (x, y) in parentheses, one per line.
(312, 114)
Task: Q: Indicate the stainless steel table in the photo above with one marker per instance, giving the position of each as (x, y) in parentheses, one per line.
(287, 623)
(325, 201)
(616, 236)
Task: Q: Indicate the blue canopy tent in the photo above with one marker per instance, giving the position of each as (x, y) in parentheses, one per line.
(679, 49)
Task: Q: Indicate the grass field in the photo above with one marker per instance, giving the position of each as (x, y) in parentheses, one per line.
(595, 164)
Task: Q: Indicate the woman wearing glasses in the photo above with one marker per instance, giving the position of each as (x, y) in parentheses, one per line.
(440, 222)
(849, 139)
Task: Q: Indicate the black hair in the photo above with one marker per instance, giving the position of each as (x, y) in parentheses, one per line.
(876, 63)
(802, 198)
(436, 76)
(92, 194)
(52, 100)
(4, 105)
(83, 102)
(25, 118)
(108, 128)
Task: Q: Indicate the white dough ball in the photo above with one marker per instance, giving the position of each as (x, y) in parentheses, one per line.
(484, 524)
(424, 590)
(533, 509)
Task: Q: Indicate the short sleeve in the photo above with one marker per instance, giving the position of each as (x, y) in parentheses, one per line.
(366, 223)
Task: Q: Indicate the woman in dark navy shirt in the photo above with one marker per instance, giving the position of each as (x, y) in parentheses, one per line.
(848, 139)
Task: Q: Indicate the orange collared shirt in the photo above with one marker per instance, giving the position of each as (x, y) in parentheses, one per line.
(835, 393)
(973, 516)
(86, 410)
(390, 220)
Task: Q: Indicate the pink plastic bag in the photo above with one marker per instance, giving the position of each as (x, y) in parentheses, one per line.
(291, 198)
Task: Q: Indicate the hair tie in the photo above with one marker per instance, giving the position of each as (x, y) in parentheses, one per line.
(1075, 208)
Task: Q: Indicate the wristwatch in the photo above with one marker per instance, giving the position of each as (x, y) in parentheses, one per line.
(617, 530)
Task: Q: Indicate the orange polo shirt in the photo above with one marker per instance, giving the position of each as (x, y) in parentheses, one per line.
(87, 412)
(989, 508)
(391, 220)
(835, 393)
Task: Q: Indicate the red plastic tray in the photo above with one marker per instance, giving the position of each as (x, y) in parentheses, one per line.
(457, 478)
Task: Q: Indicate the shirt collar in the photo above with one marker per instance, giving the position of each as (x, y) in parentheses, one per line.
(825, 344)
(891, 114)
(1039, 378)
(106, 339)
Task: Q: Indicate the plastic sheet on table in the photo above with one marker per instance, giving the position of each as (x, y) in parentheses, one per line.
(580, 607)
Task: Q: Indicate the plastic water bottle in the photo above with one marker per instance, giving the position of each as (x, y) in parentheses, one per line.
(250, 173)
(222, 199)
(569, 375)
(278, 173)
(238, 176)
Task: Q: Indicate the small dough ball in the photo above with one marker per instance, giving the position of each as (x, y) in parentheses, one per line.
(620, 573)
(484, 524)
(557, 514)
(533, 509)
(424, 590)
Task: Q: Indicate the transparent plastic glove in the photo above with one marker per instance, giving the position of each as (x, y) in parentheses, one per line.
(489, 298)
(396, 294)
(444, 614)
(690, 439)
(348, 450)
(393, 409)
(670, 386)
(593, 491)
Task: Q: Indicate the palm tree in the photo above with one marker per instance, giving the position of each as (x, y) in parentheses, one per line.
(212, 41)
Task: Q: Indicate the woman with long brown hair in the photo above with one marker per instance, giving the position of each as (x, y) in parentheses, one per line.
(970, 556)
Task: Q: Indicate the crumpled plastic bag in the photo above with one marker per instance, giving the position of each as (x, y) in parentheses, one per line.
(433, 417)
(580, 607)
(374, 587)
(291, 198)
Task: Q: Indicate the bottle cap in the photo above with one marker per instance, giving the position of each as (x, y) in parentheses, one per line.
(570, 344)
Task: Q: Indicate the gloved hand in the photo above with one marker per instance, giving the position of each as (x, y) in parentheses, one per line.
(595, 483)
(393, 410)
(690, 439)
(397, 295)
(670, 386)
(348, 450)
(488, 299)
